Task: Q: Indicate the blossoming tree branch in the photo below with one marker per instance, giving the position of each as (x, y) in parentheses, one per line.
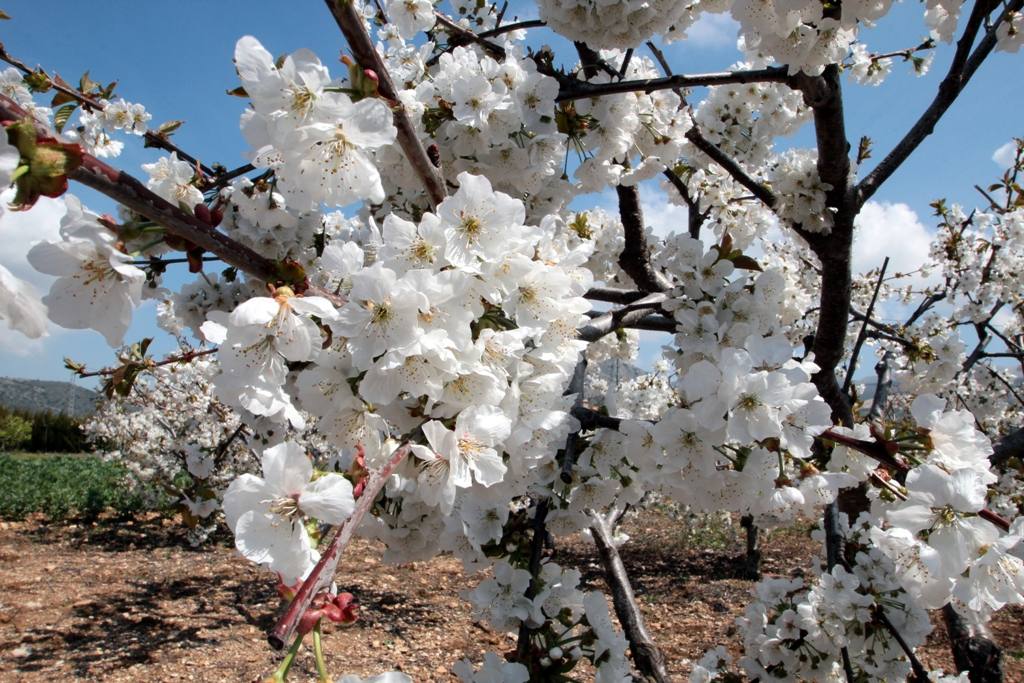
(396, 322)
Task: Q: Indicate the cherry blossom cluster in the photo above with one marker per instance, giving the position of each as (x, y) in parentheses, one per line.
(170, 425)
(795, 630)
(622, 24)
(566, 624)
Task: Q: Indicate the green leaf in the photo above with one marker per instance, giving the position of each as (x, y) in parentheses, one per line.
(168, 127)
(108, 91)
(73, 365)
(4, 15)
(61, 116)
(864, 149)
(38, 81)
(86, 84)
(746, 262)
(61, 97)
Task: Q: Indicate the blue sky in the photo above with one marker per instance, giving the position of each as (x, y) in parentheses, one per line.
(176, 59)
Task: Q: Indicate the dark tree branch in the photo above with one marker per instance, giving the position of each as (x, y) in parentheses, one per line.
(884, 452)
(957, 77)
(463, 36)
(924, 307)
(540, 532)
(978, 656)
(322, 574)
(591, 62)
(222, 179)
(919, 673)
(149, 363)
(590, 419)
(630, 315)
(130, 192)
(824, 95)
(351, 24)
(834, 556)
(635, 258)
(614, 296)
(649, 660)
(1002, 380)
(731, 166)
(883, 331)
(625, 64)
(582, 89)
(978, 352)
(1010, 446)
(752, 557)
(830, 335)
(694, 216)
(883, 373)
(508, 28)
(864, 328)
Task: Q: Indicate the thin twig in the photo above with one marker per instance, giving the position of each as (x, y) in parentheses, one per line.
(920, 674)
(583, 89)
(924, 307)
(185, 357)
(351, 24)
(152, 139)
(864, 327)
(322, 574)
(731, 166)
(694, 216)
(957, 77)
(508, 28)
(462, 36)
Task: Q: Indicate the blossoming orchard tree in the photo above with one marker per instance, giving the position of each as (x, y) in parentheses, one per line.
(401, 270)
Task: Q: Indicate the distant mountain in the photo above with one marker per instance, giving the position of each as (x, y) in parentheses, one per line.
(38, 395)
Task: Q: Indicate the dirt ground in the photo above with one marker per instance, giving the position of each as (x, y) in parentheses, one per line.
(128, 601)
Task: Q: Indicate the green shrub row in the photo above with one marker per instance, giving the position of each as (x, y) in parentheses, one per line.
(44, 432)
(62, 486)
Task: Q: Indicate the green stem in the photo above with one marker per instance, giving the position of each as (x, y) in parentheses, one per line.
(281, 674)
(318, 653)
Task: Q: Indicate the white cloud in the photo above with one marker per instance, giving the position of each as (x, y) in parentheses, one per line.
(1004, 155)
(13, 343)
(19, 230)
(661, 215)
(893, 230)
(713, 30)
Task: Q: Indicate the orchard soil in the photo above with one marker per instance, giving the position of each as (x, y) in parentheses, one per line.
(127, 600)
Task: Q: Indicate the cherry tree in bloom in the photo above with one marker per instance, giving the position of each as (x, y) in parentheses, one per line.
(418, 325)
